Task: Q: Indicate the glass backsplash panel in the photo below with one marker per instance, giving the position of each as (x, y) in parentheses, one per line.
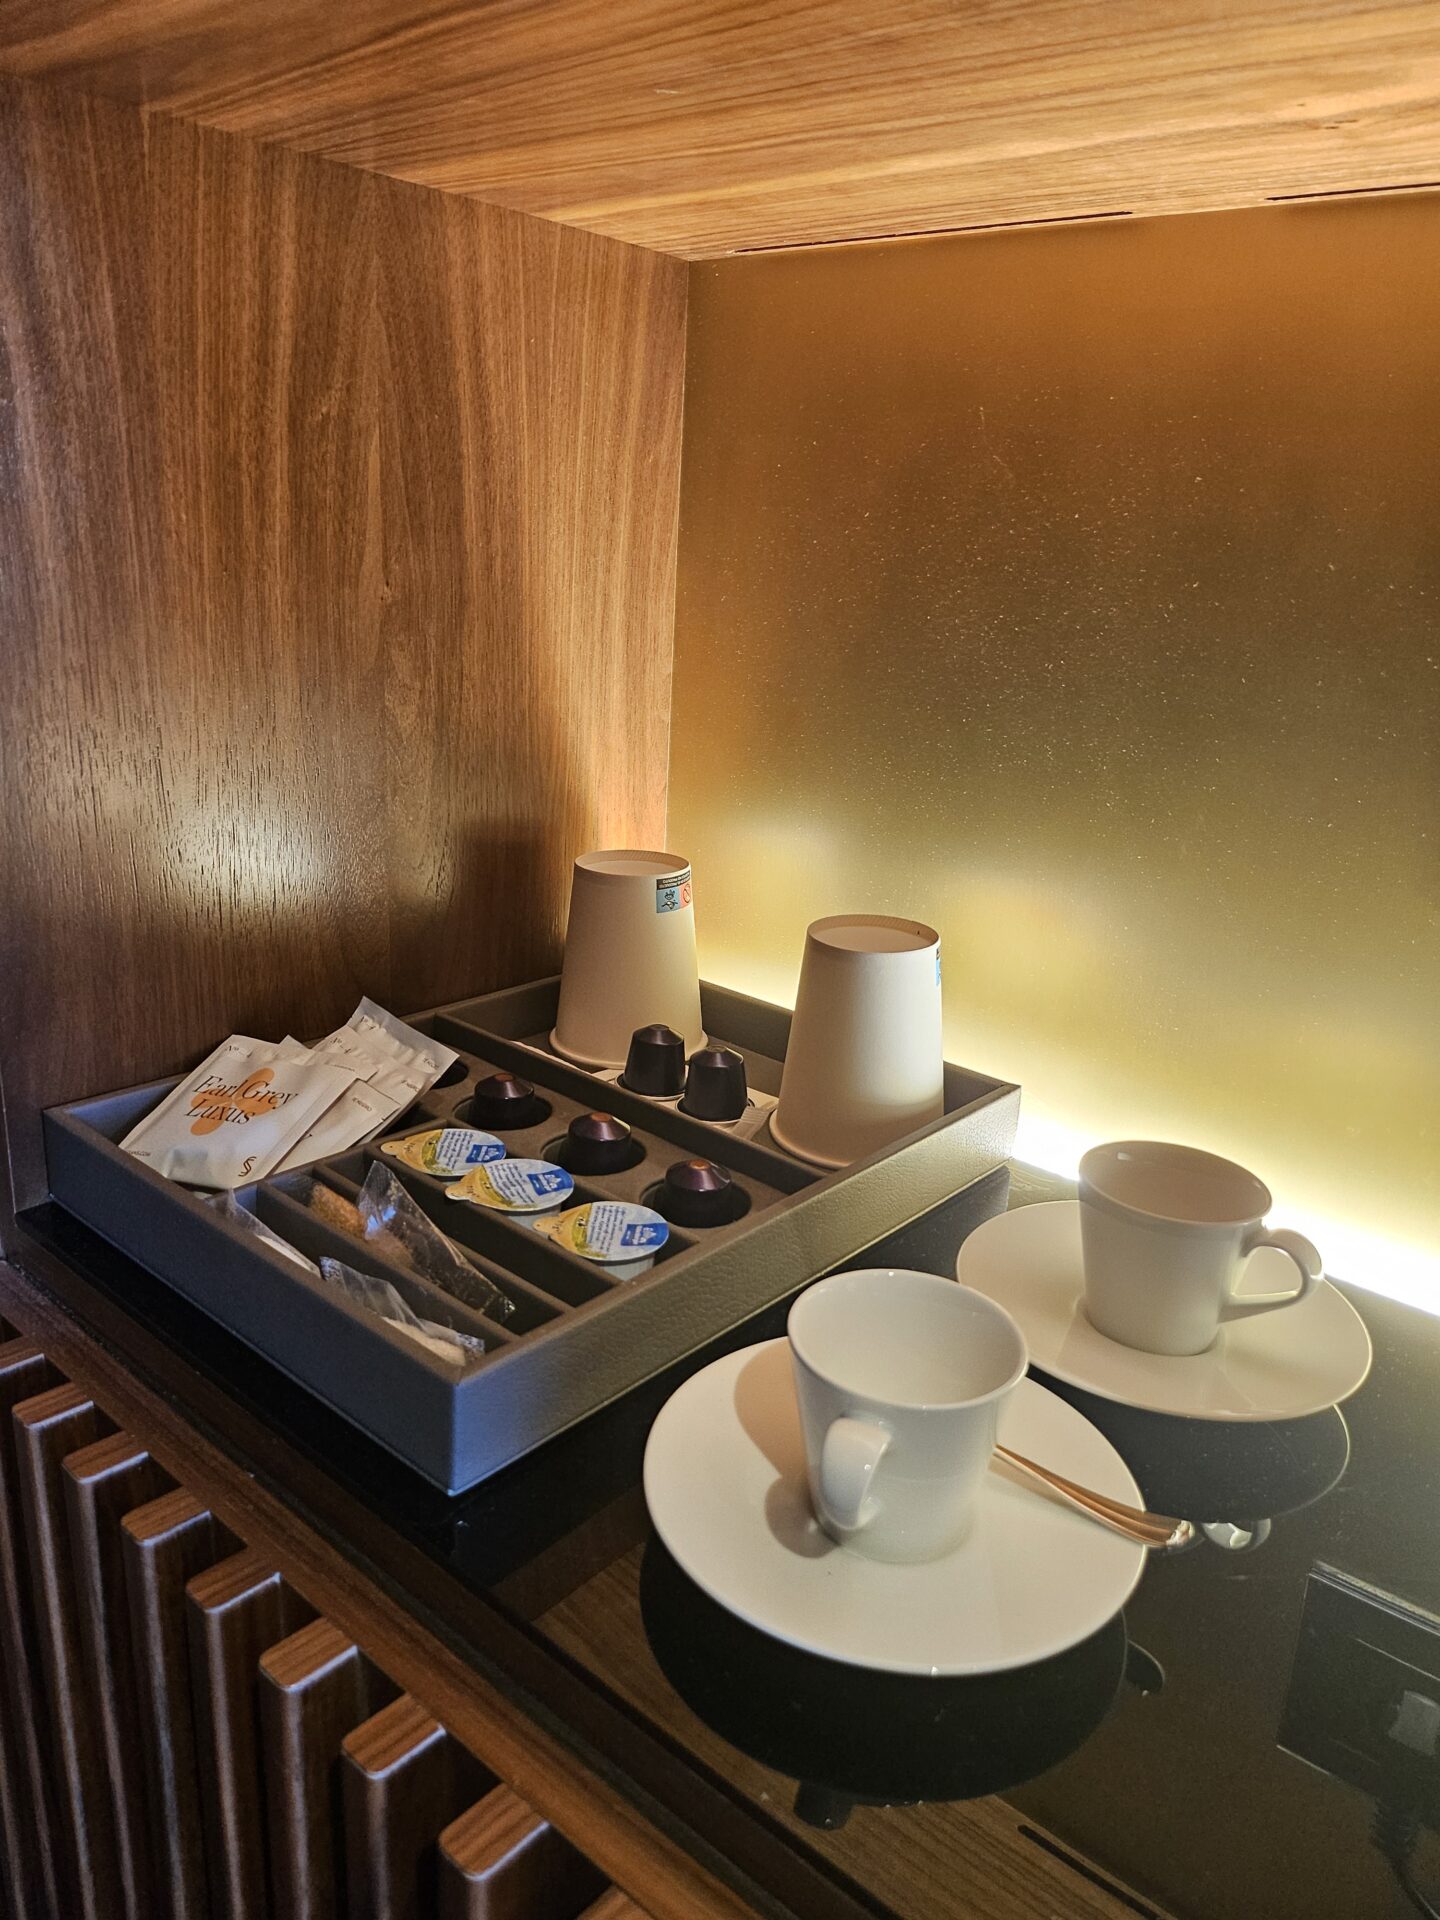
(1078, 590)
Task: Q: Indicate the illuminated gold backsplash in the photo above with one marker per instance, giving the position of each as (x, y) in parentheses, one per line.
(1078, 591)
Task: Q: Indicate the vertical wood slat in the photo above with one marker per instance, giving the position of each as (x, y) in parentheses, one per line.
(102, 1483)
(404, 1778)
(235, 1611)
(165, 1544)
(614, 1905)
(30, 1869)
(47, 1428)
(315, 1688)
(501, 1861)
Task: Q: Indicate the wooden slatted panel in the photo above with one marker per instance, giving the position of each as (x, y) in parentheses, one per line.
(501, 1861)
(48, 1427)
(404, 1780)
(165, 1543)
(235, 1611)
(29, 1867)
(614, 1905)
(315, 1688)
(102, 1483)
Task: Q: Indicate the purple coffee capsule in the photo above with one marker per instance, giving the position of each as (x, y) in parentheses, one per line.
(655, 1064)
(597, 1143)
(697, 1193)
(505, 1100)
(715, 1086)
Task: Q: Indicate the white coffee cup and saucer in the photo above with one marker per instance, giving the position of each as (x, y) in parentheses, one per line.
(837, 1489)
(1161, 1287)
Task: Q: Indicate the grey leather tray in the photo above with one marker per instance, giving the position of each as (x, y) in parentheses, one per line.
(577, 1337)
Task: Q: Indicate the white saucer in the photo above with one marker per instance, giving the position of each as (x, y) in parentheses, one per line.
(1276, 1366)
(725, 1483)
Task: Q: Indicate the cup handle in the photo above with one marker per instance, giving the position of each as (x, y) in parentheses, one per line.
(1300, 1251)
(851, 1452)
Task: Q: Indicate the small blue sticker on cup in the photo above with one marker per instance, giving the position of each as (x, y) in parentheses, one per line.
(673, 891)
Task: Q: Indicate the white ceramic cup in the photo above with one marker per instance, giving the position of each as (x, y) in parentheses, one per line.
(629, 955)
(900, 1377)
(865, 1064)
(1166, 1232)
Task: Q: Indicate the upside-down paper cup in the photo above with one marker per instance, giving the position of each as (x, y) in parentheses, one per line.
(865, 1064)
(629, 955)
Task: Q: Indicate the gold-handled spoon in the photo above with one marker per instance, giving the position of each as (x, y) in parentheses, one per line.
(1152, 1530)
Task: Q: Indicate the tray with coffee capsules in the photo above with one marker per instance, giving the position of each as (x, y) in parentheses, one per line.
(745, 1225)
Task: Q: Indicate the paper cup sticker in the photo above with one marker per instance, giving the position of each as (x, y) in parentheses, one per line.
(446, 1152)
(673, 891)
(608, 1230)
(514, 1186)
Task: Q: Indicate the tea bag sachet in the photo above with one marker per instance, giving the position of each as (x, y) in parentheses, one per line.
(359, 1113)
(396, 1063)
(236, 1116)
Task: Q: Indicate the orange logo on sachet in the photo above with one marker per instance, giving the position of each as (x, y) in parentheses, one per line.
(245, 1101)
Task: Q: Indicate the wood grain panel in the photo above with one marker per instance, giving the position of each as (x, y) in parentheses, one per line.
(339, 520)
(29, 1868)
(102, 1483)
(701, 129)
(164, 1544)
(501, 1861)
(47, 1428)
(315, 1688)
(405, 1778)
(235, 1610)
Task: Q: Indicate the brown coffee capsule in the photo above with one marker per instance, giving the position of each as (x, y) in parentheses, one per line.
(697, 1193)
(505, 1100)
(655, 1064)
(597, 1143)
(715, 1086)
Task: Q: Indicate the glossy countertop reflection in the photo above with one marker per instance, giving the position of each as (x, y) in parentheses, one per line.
(1150, 1749)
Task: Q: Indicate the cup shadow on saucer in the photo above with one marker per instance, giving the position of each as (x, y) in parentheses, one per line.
(847, 1734)
(765, 1408)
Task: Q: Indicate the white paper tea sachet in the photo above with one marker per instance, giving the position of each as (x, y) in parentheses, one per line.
(396, 1064)
(238, 1114)
(360, 1112)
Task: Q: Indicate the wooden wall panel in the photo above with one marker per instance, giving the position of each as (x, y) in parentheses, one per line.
(701, 129)
(338, 524)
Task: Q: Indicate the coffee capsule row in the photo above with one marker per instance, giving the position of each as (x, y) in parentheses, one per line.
(711, 1086)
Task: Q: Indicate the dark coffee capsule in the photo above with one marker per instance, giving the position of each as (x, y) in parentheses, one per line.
(505, 1100)
(598, 1143)
(697, 1193)
(715, 1086)
(655, 1064)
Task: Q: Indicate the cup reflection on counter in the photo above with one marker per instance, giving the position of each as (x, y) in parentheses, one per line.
(849, 1735)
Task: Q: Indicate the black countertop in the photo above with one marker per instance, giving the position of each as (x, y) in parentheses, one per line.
(1152, 1748)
